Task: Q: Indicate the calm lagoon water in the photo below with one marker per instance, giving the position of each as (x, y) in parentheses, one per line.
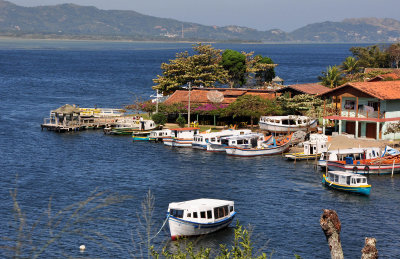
(281, 201)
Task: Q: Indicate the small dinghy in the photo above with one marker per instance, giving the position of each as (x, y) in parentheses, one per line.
(199, 217)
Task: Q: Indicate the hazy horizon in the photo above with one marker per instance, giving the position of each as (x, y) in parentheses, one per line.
(262, 15)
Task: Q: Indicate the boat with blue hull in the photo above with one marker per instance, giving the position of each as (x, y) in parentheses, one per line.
(199, 217)
(347, 182)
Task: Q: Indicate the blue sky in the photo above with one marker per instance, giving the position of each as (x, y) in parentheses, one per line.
(263, 15)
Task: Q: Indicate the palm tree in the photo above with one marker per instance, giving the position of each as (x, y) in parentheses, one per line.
(332, 77)
(350, 65)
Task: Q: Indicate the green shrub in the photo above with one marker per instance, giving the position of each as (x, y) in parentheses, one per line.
(181, 121)
(159, 118)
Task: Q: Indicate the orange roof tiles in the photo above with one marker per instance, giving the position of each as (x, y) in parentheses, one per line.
(383, 70)
(392, 76)
(200, 95)
(310, 88)
(383, 90)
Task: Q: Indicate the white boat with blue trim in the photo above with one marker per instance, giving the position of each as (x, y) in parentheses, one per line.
(287, 124)
(199, 217)
(204, 139)
(181, 137)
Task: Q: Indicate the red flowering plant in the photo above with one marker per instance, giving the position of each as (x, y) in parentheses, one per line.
(210, 109)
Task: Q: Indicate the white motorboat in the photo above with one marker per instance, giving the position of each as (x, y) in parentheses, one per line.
(159, 135)
(246, 140)
(287, 124)
(199, 217)
(181, 137)
(313, 148)
(271, 146)
(341, 154)
(202, 140)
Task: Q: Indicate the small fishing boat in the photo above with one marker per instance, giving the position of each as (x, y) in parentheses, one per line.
(376, 166)
(141, 135)
(202, 140)
(181, 137)
(312, 148)
(126, 126)
(247, 139)
(348, 182)
(272, 146)
(354, 153)
(199, 217)
(159, 135)
(287, 124)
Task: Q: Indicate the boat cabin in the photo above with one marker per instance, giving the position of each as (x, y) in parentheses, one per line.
(290, 120)
(354, 153)
(202, 210)
(244, 141)
(158, 135)
(345, 178)
(184, 133)
(202, 139)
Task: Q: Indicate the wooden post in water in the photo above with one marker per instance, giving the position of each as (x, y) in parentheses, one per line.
(331, 226)
(369, 251)
(393, 167)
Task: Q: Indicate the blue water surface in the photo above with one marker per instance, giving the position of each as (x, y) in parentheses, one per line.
(281, 201)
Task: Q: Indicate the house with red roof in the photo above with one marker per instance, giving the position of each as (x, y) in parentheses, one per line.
(365, 109)
(310, 88)
(226, 95)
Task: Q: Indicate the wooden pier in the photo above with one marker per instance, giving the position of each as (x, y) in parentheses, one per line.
(69, 118)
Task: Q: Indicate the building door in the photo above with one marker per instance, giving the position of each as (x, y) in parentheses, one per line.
(371, 130)
(350, 127)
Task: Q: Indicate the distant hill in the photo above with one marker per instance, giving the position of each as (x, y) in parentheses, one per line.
(85, 22)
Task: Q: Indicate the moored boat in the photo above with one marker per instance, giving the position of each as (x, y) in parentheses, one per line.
(272, 146)
(141, 136)
(348, 182)
(199, 217)
(312, 148)
(354, 153)
(181, 137)
(287, 124)
(126, 126)
(159, 135)
(376, 166)
(202, 140)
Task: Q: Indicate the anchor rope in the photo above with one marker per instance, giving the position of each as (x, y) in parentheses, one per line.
(165, 221)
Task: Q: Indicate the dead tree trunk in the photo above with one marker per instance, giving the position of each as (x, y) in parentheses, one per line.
(331, 226)
(369, 251)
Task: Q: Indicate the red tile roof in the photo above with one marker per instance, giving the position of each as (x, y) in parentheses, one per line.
(310, 88)
(383, 90)
(200, 95)
(392, 76)
(383, 70)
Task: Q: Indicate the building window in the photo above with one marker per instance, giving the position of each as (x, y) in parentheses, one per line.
(349, 105)
(373, 104)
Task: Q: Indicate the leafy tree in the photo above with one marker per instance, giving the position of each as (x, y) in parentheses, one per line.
(252, 106)
(394, 54)
(303, 104)
(181, 121)
(350, 65)
(203, 68)
(264, 74)
(159, 118)
(371, 56)
(235, 63)
(332, 77)
(256, 65)
(393, 127)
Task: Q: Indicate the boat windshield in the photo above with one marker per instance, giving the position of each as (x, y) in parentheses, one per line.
(220, 212)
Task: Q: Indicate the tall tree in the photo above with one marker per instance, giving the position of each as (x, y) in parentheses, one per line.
(371, 56)
(235, 63)
(256, 64)
(350, 65)
(394, 54)
(252, 106)
(201, 69)
(264, 72)
(332, 77)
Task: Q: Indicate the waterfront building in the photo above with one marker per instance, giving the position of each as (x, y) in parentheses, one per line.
(364, 109)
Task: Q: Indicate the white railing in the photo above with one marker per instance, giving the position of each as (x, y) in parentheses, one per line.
(362, 114)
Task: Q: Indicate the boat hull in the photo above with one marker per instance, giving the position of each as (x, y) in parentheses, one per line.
(363, 189)
(183, 228)
(301, 156)
(287, 128)
(177, 142)
(249, 152)
(364, 169)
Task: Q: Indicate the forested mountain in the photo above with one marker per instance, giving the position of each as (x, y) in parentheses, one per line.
(85, 22)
